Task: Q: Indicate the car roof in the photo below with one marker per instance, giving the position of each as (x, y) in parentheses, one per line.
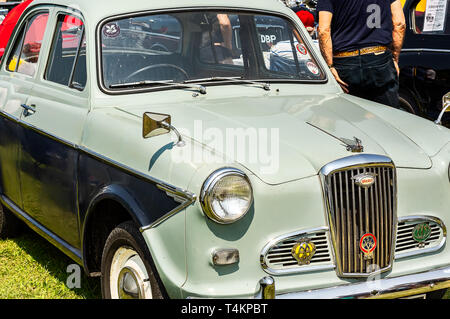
(97, 10)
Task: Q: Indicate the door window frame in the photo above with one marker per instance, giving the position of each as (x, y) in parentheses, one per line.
(17, 36)
(54, 36)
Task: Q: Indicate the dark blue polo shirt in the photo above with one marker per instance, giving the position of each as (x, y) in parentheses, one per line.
(358, 24)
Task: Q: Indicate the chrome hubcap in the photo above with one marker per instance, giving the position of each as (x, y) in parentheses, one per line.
(128, 286)
(128, 276)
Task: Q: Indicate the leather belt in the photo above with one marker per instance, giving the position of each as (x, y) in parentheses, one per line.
(363, 51)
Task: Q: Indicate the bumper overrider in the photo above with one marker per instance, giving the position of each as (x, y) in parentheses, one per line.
(386, 288)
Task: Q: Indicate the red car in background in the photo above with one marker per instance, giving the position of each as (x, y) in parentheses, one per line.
(8, 24)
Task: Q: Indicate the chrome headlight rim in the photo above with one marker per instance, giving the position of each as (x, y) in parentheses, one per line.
(208, 186)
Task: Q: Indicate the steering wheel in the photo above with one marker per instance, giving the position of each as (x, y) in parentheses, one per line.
(159, 47)
(161, 65)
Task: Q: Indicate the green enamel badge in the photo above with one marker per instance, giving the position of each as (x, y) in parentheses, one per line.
(421, 232)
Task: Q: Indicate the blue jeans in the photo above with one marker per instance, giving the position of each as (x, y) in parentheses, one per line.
(372, 77)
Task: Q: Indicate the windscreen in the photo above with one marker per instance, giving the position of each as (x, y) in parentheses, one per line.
(187, 46)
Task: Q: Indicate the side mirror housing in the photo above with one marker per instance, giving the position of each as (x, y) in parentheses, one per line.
(155, 124)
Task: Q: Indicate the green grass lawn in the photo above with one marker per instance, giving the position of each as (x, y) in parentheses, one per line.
(32, 268)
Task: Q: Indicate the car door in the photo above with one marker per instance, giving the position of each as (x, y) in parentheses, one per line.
(425, 55)
(16, 82)
(58, 104)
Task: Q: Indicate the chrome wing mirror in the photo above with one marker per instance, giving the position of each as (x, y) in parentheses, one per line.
(445, 108)
(155, 124)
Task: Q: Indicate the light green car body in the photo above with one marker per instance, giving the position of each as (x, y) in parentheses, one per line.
(285, 202)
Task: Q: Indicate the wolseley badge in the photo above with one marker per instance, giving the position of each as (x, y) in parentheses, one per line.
(303, 251)
(367, 244)
(365, 180)
(421, 233)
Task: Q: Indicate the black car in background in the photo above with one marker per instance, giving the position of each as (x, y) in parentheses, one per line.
(425, 58)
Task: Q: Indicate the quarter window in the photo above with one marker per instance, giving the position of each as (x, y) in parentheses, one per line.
(67, 64)
(28, 46)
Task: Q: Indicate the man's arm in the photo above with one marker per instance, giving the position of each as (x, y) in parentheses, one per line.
(398, 30)
(326, 44)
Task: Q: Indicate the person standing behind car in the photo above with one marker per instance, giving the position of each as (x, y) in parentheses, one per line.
(361, 41)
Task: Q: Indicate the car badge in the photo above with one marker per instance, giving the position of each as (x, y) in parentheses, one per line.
(365, 180)
(303, 251)
(421, 233)
(367, 244)
(111, 30)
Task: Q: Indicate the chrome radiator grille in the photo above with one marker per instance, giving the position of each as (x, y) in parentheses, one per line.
(355, 211)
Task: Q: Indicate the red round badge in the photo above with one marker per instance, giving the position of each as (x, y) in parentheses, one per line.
(302, 49)
(368, 243)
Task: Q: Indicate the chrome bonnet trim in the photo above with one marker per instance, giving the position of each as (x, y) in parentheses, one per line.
(355, 161)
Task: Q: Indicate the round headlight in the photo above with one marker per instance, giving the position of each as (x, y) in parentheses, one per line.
(226, 195)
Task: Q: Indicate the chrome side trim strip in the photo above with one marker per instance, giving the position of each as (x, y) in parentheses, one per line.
(423, 219)
(185, 197)
(37, 130)
(300, 269)
(182, 196)
(177, 194)
(426, 50)
(66, 248)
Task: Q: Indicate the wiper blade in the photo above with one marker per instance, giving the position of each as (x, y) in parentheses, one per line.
(199, 88)
(265, 86)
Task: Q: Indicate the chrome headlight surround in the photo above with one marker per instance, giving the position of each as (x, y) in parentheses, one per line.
(209, 187)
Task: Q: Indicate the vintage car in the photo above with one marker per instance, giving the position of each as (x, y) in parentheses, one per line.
(132, 140)
(424, 61)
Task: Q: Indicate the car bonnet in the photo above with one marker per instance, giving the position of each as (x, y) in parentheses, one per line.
(288, 138)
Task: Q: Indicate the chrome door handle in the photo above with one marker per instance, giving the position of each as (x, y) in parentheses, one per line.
(28, 109)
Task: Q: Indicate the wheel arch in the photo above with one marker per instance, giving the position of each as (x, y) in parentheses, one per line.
(112, 206)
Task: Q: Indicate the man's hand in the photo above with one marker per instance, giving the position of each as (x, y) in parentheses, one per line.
(343, 85)
(397, 67)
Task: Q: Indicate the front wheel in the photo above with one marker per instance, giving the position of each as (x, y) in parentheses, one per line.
(127, 271)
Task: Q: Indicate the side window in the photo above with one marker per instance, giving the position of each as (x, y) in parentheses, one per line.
(283, 49)
(432, 17)
(28, 46)
(67, 63)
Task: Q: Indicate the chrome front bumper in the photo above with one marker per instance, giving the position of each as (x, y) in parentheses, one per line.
(386, 288)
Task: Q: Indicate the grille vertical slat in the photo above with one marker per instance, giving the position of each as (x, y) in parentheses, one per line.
(349, 224)
(377, 207)
(342, 217)
(357, 211)
(355, 228)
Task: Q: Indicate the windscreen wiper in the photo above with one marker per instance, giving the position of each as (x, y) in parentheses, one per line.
(265, 86)
(170, 83)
